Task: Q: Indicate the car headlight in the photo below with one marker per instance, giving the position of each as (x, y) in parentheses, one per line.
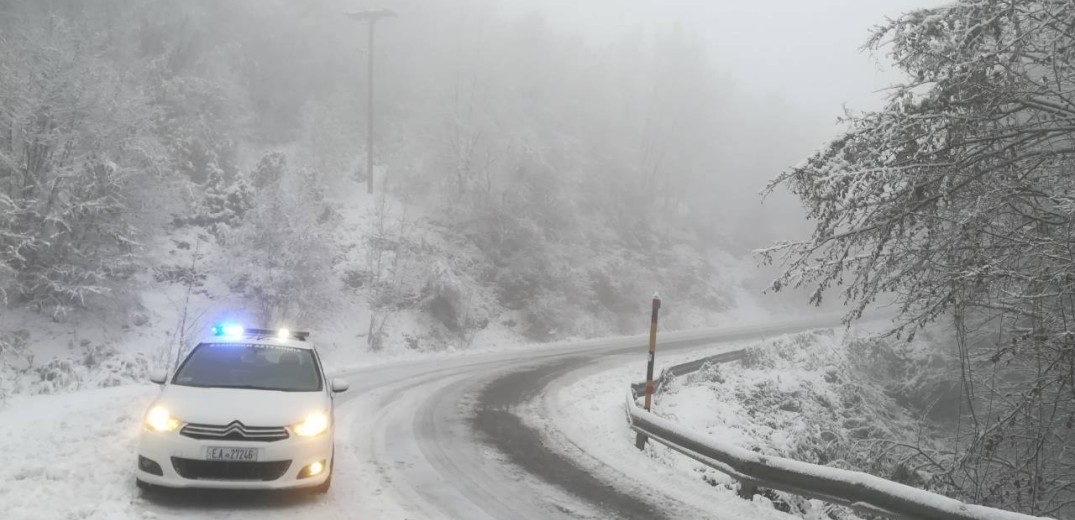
(315, 424)
(158, 419)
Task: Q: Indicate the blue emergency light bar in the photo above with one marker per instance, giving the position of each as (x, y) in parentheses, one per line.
(231, 330)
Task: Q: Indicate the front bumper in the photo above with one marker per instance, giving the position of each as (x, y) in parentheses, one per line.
(161, 447)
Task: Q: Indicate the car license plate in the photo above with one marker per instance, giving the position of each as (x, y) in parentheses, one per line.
(231, 454)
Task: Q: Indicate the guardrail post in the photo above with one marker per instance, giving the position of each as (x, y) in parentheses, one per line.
(640, 439)
(747, 490)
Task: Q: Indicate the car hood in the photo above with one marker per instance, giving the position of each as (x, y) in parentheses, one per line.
(221, 406)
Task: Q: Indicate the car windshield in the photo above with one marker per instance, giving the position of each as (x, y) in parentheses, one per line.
(250, 366)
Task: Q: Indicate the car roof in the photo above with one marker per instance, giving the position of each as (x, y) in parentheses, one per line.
(259, 340)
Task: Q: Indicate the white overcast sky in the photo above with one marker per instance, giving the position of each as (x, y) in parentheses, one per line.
(806, 53)
(799, 62)
(790, 67)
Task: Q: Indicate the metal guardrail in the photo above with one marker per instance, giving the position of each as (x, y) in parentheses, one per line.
(675, 371)
(861, 492)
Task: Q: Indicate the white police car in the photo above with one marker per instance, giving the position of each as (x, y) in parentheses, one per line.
(246, 409)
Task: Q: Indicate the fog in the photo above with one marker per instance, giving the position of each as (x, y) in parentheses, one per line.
(807, 54)
(805, 59)
(789, 69)
(563, 158)
(780, 74)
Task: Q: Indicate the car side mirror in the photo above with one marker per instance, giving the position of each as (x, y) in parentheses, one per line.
(158, 376)
(340, 385)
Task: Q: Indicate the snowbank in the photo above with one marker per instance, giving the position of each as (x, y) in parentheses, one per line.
(805, 397)
(795, 396)
(71, 456)
(583, 418)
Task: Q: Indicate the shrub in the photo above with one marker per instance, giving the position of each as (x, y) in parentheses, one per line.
(281, 260)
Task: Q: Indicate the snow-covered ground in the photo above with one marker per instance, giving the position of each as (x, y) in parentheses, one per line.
(69, 456)
(584, 418)
(798, 396)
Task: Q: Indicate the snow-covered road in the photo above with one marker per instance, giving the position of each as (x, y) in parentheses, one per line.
(456, 438)
(467, 437)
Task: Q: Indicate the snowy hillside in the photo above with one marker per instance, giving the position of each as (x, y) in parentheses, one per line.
(825, 398)
(818, 397)
(210, 172)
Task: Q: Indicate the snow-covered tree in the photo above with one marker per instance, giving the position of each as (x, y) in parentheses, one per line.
(957, 199)
(281, 259)
(73, 144)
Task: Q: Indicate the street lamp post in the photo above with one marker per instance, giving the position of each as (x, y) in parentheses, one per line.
(371, 15)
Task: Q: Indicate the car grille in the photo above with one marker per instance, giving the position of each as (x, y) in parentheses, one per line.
(236, 431)
(227, 470)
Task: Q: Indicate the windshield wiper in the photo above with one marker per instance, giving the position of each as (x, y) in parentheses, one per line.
(256, 387)
(248, 387)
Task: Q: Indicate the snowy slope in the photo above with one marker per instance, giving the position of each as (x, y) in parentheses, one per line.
(69, 456)
(793, 396)
(583, 417)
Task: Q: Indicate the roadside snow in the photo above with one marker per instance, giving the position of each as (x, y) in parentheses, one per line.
(813, 397)
(70, 456)
(584, 419)
(793, 396)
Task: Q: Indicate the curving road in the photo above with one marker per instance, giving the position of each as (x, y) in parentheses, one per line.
(445, 439)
